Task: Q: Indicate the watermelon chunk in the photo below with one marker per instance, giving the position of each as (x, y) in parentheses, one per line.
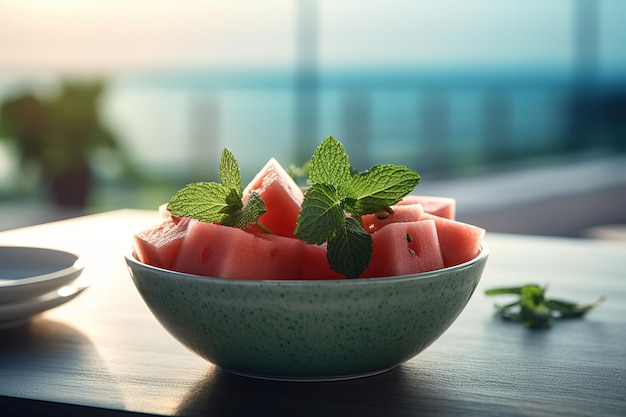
(272, 257)
(203, 249)
(281, 195)
(460, 242)
(439, 206)
(227, 252)
(159, 245)
(404, 213)
(405, 248)
(315, 264)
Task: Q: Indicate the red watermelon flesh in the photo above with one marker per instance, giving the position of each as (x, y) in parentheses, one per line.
(405, 248)
(460, 242)
(314, 264)
(159, 245)
(273, 257)
(404, 213)
(439, 206)
(227, 252)
(203, 249)
(281, 195)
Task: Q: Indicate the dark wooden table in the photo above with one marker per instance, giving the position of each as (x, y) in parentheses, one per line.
(104, 353)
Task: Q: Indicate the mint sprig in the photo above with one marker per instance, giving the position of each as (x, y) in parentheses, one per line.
(338, 197)
(219, 203)
(535, 310)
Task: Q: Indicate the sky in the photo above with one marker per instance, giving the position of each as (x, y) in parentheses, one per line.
(136, 35)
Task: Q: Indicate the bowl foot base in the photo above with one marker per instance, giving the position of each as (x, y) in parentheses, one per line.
(322, 378)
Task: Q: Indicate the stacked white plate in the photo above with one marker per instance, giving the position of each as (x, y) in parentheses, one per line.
(33, 280)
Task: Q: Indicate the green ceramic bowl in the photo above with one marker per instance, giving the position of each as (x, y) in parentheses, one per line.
(307, 330)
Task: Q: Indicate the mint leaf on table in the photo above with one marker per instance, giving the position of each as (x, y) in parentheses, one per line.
(219, 203)
(536, 311)
(336, 190)
(566, 309)
(533, 311)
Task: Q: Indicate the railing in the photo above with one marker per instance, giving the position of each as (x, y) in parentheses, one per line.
(438, 122)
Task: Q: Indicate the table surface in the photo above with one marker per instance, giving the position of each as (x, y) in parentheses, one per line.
(104, 353)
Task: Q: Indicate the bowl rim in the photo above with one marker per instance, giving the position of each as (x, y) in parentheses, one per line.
(482, 255)
(77, 265)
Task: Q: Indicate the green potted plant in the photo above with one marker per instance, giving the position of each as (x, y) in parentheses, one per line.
(58, 135)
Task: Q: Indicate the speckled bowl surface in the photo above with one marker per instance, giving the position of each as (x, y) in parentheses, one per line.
(307, 330)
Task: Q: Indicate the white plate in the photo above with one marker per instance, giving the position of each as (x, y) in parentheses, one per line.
(28, 272)
(19, 313)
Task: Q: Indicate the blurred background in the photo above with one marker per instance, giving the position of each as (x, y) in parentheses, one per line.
(516, 108)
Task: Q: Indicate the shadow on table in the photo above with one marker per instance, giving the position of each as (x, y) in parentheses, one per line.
(32, 355)
(399, 392)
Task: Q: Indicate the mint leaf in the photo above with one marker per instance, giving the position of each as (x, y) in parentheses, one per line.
(533, 311)
(219, 203)
(382, 186)
(233, 204)
(323, 219)
(507, 290)
(247, 214)
(350, 249)
(536, 311)
(321, 214)
(568, 309)
(330, 164)
(230, 174)
(204, 201)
